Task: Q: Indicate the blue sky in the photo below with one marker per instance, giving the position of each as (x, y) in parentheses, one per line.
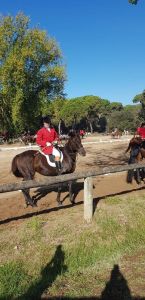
(102, 42)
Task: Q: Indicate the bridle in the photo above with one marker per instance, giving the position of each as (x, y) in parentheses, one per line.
(73, 152)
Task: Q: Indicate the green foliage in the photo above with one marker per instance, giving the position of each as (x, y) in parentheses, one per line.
(96, 114)
(31, 71)
(124, 119)
(55, 109)
(141, 98)
(116, 106)
(133, 1)
(79, 107)
(138, 98)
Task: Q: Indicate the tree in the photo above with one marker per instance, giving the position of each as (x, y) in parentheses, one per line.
(116, 106)
(31, 71)
(55, 109)
(141, 98)
(86, 108)
(123, 119)
(133, 1)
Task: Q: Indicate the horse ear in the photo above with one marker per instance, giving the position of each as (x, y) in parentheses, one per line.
(72, 133)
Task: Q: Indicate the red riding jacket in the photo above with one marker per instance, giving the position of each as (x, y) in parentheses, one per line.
(43, 136)
(141, 132)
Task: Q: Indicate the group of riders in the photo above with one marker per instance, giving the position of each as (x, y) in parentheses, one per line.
(48, 140)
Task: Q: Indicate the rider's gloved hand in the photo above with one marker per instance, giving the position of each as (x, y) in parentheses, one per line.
(48, 144)
(55, 143)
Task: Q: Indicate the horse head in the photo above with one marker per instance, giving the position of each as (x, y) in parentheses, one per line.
(75, 143)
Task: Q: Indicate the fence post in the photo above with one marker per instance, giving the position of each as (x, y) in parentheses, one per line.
(88, 199)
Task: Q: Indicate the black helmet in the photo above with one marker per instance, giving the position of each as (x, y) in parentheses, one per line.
(46, 119)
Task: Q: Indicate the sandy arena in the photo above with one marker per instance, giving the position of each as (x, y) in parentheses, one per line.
(99, 155)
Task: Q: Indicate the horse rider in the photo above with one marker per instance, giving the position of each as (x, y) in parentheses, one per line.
(47, 138)
(140, 133)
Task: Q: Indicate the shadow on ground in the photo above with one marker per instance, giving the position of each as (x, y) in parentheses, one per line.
(116, 288)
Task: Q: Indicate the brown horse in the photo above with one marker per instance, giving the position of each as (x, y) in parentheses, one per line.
(116, 134)
(137, 153)
(27, 163)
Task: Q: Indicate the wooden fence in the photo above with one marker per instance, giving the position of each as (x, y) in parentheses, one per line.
(88, 183)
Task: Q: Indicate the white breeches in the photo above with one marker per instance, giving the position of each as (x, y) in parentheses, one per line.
(55, 152)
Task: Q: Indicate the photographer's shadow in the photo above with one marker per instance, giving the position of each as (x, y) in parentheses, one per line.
(117, 287)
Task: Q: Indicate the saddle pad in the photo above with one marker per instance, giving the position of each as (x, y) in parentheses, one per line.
(50, 163)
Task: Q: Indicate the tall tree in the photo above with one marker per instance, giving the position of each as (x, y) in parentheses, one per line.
(31, 71)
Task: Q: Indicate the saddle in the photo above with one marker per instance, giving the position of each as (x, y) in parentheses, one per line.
(51, 158)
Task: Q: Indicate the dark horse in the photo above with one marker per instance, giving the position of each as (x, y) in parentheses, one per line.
(27, 163)
(137, 153)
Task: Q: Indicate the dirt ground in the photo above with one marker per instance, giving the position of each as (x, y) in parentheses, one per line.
(15, 219)
(99, 155)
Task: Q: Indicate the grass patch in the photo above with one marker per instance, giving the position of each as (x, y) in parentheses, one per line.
(13, 280)
(68, 257)
(113, 200)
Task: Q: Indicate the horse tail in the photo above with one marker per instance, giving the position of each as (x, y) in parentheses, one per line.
(14, 168)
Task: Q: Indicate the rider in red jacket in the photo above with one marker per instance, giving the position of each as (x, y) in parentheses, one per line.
(47, 138)
(141, 131)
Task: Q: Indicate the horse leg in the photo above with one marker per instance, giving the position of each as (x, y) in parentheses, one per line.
(26, 193)
(58, 196)
(139, 172)
(137, 176)
(132, 159)
(129, 177)
(70, 193)
(28, 199)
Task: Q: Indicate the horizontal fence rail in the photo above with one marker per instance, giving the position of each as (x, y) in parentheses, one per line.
(9, 187)
(88, 183)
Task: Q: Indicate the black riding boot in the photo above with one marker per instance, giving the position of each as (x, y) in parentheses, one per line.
(58, 166)
(134, 152)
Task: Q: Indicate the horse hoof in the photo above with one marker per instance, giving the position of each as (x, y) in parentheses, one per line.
(73, 202)
(60, 204)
